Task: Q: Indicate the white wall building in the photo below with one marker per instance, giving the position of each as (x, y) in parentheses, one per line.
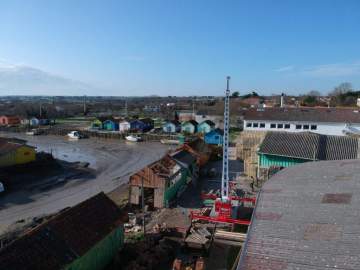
(317, 120)
(124, 126)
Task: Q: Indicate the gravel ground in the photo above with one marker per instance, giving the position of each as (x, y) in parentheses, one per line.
(113, 162)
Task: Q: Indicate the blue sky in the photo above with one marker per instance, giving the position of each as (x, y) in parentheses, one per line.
(177, 47)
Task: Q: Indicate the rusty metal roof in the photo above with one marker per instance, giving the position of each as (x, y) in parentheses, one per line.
(307, 218)
(64, 238)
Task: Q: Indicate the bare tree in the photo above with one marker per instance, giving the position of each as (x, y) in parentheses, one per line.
(342, 88)
(314, 93)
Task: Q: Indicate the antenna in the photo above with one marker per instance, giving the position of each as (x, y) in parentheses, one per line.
(225, 171)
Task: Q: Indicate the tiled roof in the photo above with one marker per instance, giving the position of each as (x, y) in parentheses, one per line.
(307, 218)
(310, 146)
(64, 238)
(327, 115)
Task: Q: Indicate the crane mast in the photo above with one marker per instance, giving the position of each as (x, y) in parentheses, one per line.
(225, 165)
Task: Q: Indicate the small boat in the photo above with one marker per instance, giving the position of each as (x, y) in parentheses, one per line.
(166, 141)
(74, 135)
(133, 138)
(33, 132)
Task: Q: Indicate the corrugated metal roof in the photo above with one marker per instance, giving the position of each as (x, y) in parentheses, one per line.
(327, 115)
(306, 145)
(307, 217)
(63, 238)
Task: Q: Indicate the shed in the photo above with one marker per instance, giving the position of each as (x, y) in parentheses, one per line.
(85, 236)
(162, 180)
(206, 126)
(214, 137)
(34, 121)
(96, 124)
(199, 149)
(172, 126)
(284, 149)
(15, 152)
(9, 120)
(142, 125)
(124, 126)
(110, 125)
(189, 126)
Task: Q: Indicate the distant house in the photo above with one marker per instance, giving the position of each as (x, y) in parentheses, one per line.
(326, 121)
(284, 149)
(172, 126)
(34, 121)
(85, 236)
(216, 117)
(44, 121)
(165, 177)
(214, 137)
(96, 124)
(189, 126)
(185, 115)
(124, 126)
(205, 126)
(9, 120)
(110, 125)
(15, 152)
(142, 125)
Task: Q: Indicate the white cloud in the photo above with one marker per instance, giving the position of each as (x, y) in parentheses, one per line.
(333, 70)
(18, 79)
(284, 69)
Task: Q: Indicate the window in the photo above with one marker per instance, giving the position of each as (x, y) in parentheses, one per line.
(298, 127)
(306, 127)
(280, 125)
(313, 127)
(248, 124)
(287, 126)
(273, 126)
(262, 125)
(255, 125)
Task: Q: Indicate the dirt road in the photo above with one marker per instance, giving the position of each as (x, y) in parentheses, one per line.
(112, 160)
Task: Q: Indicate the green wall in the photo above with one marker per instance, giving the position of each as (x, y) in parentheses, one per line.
(101, 254)
(171, 191)
(267, 161)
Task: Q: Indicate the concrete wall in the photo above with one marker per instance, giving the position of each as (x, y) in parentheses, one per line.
(321, 128)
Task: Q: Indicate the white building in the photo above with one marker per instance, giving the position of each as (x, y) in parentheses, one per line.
(327, 121)
(124, 126)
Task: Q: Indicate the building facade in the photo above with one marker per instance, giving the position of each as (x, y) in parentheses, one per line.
(317, 120)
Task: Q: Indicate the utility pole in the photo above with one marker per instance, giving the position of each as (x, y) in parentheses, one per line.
(84, 104)
(126, 108)
(40, 109)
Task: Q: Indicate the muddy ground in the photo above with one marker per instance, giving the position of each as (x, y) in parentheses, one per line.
(111, 162)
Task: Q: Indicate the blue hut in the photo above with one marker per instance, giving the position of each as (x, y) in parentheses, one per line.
(172, 126)
(34, 121)
(189, 126)
(142, 125)
(206, 126)
(214, 137)
(110, 125)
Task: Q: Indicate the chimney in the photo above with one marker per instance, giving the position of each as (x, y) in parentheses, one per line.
(282, 100)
